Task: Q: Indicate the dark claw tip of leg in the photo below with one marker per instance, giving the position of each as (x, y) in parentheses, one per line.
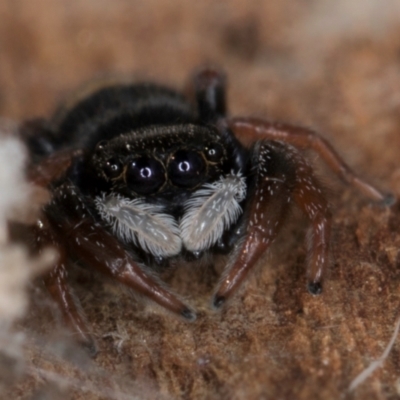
(188, 314)
(218, 301)
(314, 288)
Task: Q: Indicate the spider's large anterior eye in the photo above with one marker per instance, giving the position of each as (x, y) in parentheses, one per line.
(214, 152)
(113, 168)
(186, 168)
(145, 175)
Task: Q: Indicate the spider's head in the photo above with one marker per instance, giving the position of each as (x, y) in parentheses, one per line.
(161, 160)
(170, 187)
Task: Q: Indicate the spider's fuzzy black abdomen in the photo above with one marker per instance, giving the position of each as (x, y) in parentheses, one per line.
(111, 111)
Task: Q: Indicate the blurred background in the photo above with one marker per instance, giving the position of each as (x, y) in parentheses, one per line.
(333, 66)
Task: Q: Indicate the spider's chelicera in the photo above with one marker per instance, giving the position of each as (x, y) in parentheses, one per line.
(139, 175)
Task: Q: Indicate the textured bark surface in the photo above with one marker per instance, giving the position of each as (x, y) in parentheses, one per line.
(333, 66)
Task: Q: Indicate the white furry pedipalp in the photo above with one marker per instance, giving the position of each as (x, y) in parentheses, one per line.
(211, 210)
(142, 224)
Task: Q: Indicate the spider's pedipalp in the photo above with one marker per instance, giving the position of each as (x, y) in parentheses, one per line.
(211, 210)
(134, 221)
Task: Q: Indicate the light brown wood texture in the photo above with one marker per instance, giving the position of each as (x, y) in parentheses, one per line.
(332, 66)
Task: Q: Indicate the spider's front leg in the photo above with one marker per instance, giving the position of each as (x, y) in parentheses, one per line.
(248, 130)
(281, 176)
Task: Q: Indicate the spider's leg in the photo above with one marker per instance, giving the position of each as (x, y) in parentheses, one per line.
(39, 138)
(41, 175)
(269, 202)
(210, 94)
(53, 167)
(309, 197)
(282, 176)
(56, 283)
(249, 130)
(97, 248)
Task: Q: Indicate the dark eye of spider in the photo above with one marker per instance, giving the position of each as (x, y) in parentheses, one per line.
(145, 175)
(214, 152)
(186, 168)
(113, 168)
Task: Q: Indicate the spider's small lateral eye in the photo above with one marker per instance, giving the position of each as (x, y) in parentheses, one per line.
(186, 168)
(113, 168)
(100, 146)
(214, 152)
(145, 175)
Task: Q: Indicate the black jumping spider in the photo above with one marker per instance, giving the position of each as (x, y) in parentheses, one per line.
(139, 175)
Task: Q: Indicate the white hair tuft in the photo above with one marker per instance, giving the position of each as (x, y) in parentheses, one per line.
(211, 210)
(143, 224)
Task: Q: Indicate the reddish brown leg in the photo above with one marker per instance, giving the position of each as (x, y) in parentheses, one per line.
(249, 130)
(52, 167)
(57, 285)
(282, 175)
(97, 248)
(308, 195)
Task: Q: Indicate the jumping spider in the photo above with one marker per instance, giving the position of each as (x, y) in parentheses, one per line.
(139, 176)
